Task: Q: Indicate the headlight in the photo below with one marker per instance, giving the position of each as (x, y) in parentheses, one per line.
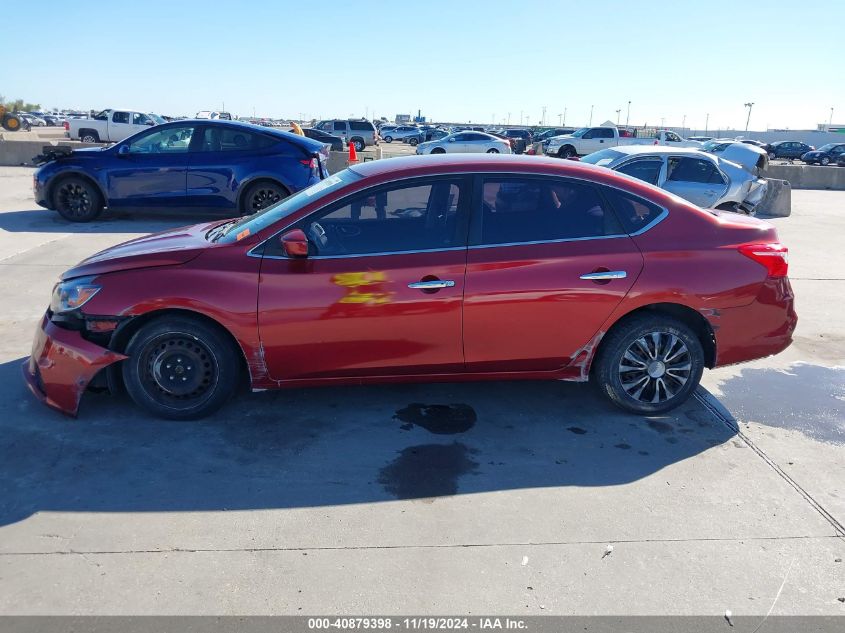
(70, 295)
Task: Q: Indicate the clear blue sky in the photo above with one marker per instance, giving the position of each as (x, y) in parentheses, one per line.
(456, 60)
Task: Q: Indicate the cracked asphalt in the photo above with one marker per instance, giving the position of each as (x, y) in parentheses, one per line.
(447, 499)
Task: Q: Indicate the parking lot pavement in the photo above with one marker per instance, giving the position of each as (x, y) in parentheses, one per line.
(496, 498)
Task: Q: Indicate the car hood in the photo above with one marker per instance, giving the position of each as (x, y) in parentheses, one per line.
(168, 248)
(747, 156)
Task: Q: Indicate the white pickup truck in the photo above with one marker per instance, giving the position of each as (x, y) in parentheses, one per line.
(110, 126)
(592, 139)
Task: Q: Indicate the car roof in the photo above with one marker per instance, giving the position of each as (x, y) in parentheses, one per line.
(303, 141)
(655, 149)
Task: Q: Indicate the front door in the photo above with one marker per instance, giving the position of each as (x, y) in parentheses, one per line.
(154, 172)
(381, 291)
(548, 263)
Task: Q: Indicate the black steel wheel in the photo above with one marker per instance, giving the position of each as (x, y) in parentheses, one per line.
(77, 200)
(262, 195)
(180, 368)
(649, 364)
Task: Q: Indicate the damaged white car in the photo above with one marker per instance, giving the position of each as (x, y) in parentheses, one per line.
(729, 181)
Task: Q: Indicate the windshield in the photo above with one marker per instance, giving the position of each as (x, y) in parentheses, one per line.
(250, 225)
(156, 118)
(603, 157)
(827, 148)
(581, 132)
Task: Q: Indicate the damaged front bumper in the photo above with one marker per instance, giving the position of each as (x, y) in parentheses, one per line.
(63, 364)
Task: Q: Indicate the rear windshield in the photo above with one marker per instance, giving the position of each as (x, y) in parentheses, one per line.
(252, 224)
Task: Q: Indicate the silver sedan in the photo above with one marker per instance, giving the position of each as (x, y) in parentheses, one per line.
(704, 179)
(465, 142)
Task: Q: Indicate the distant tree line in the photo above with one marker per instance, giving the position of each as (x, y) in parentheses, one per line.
(19, 105)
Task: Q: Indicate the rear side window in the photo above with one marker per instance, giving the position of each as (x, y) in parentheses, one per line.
(633, 212)
(219, 139)
(693, 170)
(120, 117)
(519, 210)
(339, 126)
(361, 126)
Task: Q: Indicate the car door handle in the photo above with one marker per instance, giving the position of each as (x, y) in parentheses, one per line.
(605, 275)
(434, 284)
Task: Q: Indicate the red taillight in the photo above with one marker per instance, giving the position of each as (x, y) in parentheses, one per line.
(774, 257)
(67, 126)
(310, 162)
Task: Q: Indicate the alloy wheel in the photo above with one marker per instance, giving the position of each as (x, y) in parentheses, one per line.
(75, 200)
(655, 367)
(264, 197)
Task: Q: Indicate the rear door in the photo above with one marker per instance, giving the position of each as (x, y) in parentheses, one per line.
(695, 179)
(547, 264)
(225, 156)
(339, 128)
(381, 291)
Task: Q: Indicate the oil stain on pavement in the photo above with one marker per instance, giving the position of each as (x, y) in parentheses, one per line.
(804, 397)
(427, 470)
(440, 419)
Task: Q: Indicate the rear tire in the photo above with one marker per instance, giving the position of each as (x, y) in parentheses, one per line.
(77, 200)
(650, 364)
(359, 144)
(413, 142)
(89, 136)
(180, 368)
(261, 195)
(388, 139)
(492, 150)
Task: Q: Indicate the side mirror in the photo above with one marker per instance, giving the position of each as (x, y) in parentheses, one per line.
(123, 150)
(150, 123)
(295, 243)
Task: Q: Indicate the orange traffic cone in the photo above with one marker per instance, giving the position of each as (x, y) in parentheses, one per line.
(353, 155)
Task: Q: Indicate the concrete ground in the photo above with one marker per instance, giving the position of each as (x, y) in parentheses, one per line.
(447, 499)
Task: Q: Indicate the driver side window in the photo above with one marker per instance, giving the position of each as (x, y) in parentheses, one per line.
(419, 217)
(173, 140)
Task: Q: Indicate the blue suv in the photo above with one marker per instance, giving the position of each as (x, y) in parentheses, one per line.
(224, 167)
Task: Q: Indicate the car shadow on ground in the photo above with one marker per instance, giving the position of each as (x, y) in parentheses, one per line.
(329, 446)
(47, 221)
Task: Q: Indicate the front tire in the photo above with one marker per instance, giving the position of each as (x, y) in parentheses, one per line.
(492, 150)
(180, 368)
(77, 200)
(438, 150)
(825, 161)
(649, 364)
(413, 142)
(567, 151)
(388, 139)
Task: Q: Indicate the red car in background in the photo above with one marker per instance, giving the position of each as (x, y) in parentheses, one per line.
(432, 268)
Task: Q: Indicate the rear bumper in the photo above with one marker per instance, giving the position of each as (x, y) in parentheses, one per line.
(62, 365)
(760, 329)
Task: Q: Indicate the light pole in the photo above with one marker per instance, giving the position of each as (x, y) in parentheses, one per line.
(662, 122)
(509, 118)
(560, 120)
(543, 119)
(830, 120)
(617, 116)
(628, 116)
(520, 117)
(748, 105)
(684, 122)
(591, 116)
(706, 123)
(564, 116)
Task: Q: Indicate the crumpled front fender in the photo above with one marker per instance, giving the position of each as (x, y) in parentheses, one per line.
(62, 364)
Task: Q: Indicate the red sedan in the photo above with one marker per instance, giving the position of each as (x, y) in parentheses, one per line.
(441, 268)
